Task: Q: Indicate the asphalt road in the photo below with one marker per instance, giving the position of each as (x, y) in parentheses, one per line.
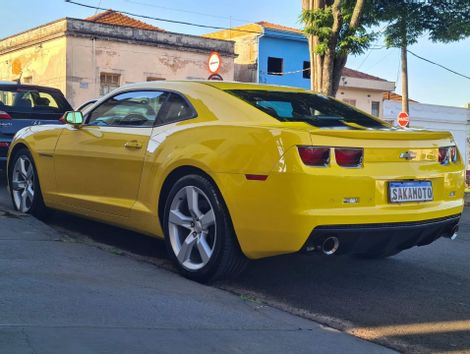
(415, 302)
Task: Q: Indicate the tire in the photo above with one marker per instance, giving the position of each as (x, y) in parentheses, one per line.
(200, 239)
(25, 191)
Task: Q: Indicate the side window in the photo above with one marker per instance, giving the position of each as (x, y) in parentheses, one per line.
(175, 109)
(137, 109)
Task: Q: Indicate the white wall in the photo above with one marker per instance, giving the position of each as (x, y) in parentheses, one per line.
(364, 97)
(434, 117)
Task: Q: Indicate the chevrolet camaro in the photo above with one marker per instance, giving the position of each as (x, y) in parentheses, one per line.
(227, 172)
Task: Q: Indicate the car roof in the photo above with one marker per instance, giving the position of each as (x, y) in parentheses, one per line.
(13, 84)
(222, 85)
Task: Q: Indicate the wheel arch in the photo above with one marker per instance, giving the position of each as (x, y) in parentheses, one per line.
(16, 147)
(171, 179)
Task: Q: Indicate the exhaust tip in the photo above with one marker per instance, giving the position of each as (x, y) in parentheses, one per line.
(454, 233)
(330, 246)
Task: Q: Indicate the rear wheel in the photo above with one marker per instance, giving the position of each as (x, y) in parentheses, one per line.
(24, 184)
(198, 231)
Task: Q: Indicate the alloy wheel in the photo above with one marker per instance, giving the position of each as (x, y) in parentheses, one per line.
(22, 184)
(192, 228)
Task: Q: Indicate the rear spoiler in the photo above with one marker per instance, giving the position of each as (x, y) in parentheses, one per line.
(399, 134)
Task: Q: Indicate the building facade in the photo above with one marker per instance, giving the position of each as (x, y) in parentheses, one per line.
(88, 58)
(274, 54)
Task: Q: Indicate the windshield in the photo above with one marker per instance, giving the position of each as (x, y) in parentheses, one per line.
(318, 110)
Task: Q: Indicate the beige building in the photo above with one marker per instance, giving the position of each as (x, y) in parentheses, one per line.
(88, 58)
(275, 54)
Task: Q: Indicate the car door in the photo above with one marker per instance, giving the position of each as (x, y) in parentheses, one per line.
(98, 166)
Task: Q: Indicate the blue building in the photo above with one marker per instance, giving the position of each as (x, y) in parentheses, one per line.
(279, 55)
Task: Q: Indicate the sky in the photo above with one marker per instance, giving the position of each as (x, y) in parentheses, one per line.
(427, 83)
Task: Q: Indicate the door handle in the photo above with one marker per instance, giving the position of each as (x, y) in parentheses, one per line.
(134, 144)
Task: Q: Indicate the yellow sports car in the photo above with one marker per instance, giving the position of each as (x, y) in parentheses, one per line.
(227, 172)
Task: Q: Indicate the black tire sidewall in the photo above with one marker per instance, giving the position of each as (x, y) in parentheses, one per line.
(223, 228)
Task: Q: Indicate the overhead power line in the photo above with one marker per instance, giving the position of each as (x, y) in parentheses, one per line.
(437, 64)
(163, 19)
(187, 11)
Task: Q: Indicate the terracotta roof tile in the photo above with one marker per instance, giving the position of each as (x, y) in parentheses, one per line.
(112, 17)
(278, 27)
(392, 96)
(360, 75)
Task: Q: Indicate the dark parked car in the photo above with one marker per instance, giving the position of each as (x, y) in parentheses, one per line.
(25, 105)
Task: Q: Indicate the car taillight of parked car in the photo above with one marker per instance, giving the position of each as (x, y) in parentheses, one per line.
(448, 154)
(4, 115)
(315, 156)
(349, 157)
(319, 156)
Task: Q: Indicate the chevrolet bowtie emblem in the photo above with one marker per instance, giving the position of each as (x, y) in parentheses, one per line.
(409, 155)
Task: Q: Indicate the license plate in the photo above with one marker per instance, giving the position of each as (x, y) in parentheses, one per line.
(412, 191)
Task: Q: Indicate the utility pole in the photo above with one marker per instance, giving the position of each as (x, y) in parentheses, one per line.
(404, 64)
(404, 79)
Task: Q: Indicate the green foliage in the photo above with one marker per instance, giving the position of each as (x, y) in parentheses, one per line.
(319, 23)
(407, 20)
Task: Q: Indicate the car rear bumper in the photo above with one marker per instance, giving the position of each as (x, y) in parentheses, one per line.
(386, 238)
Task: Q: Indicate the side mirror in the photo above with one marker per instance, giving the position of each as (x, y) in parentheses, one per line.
(74, 118)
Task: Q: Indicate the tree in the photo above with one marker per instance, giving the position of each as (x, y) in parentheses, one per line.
(337, 28)
(334, 28)
(408, 20)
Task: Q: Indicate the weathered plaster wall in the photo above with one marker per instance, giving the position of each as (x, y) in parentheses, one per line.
(88, 57)
(42, 62)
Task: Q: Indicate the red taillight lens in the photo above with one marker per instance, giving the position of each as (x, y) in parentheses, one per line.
(447, 154)
(4, 115)
(443, 155)
(347, 157)
(62, 119)
(315, 156)
(4, 144)
(453, 153)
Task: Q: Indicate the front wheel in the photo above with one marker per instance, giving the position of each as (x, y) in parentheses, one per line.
(198, 231)
(24, 184)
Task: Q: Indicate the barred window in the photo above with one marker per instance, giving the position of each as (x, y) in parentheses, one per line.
(109, 82)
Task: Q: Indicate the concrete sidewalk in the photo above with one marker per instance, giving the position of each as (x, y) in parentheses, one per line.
(59, 296)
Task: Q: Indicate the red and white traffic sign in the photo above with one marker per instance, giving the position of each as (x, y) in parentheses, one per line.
(403, 119)
(215, 61)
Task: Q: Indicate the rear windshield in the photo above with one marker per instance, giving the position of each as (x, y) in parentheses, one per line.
(21, 100)
(317, 110)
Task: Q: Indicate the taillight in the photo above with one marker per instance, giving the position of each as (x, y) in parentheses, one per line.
(349, 157)
(4, 115)
(62, 119)
(315, 156)
(4, 145)
(453, 153)
(447, 154)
